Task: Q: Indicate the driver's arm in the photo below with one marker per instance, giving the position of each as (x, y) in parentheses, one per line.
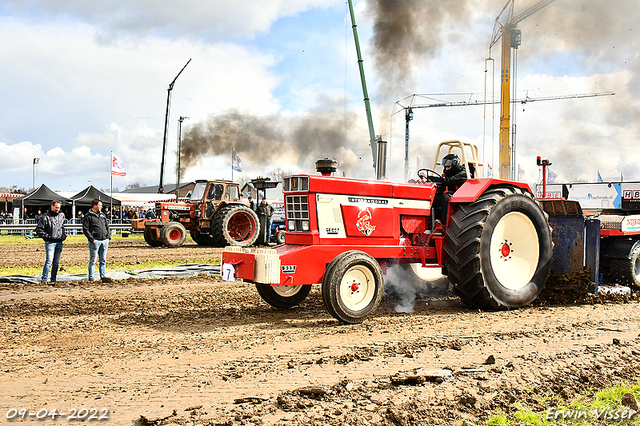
(457, 179)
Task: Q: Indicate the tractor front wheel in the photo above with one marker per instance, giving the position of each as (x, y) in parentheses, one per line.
(173, 234)
(352, 286)
(498, 250)
(283, 296)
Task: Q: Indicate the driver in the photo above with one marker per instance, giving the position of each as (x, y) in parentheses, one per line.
(454, 175)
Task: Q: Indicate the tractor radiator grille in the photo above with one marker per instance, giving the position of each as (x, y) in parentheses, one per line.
(297, 213)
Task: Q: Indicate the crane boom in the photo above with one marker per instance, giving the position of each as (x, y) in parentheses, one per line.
(510, 39)
(471, 102)
(408, 109)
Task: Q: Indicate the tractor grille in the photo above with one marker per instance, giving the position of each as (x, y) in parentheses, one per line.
(297, 213)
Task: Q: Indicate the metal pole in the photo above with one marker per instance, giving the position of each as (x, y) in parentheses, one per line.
(166, 128)
(408, 116)
(180, 120)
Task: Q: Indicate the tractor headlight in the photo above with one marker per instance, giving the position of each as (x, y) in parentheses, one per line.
(291, 225)
(305, 225)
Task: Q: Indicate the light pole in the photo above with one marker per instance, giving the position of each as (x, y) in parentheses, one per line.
(35, 161)
(180, 120)
(166, 128)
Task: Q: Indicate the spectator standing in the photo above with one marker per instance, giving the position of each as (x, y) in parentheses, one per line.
(252, 204)
(95, 227)
(151, 214)
(51, 229)
(267, 210)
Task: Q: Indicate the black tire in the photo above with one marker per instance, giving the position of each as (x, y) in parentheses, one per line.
(148, 237)
(235, 225)
(507, 272)
(352, 303)
(173, 234)
(627, 271)
(283, 296)
(280, 237)
(202, 239)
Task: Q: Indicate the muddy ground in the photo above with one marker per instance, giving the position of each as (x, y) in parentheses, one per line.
(125, 252)
(199, 351)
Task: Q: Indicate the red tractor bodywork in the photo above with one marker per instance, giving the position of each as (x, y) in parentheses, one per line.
(389, 221)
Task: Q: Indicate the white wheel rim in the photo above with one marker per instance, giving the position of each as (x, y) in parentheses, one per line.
(636, 268)
(515, 250)
(357, 287)
(286, 290)
(426, 274)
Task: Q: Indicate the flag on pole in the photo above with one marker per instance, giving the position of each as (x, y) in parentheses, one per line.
(489, 170)
(600, 178)
(551, 177)
(116, 167)
(235, 161)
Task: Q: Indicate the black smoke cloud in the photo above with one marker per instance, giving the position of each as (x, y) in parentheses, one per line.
(265, 140)
(409, 33)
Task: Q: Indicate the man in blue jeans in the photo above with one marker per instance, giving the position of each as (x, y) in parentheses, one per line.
(51, 229)
(95, 227)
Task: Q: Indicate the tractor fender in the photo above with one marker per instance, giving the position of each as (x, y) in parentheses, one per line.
(472, 189)
(618, 247)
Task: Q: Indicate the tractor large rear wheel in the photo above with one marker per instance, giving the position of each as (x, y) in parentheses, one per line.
(149, 237)
(202, 239)
(498, 250)
(235, 225)
(352, 286)
(173, 234)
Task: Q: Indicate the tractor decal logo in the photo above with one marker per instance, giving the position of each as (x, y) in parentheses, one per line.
(363, 223)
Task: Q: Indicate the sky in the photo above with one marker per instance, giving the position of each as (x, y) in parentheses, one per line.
(279, 82)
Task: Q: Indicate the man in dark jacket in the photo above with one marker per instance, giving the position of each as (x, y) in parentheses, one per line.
(95, 227)
(265, 209)
(51, 229)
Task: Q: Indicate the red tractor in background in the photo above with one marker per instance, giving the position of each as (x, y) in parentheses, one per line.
(495, 246)
(214, 216)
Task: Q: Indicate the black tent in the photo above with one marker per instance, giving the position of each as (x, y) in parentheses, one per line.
(84, 197)
(41, 198)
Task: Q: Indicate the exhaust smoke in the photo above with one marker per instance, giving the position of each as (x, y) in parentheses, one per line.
(406, 283)
(267, 139)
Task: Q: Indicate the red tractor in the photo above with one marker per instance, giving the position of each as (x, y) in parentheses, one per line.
(495, 244)
(214, 216)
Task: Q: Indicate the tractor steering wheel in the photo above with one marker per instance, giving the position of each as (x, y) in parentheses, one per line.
(431, 176)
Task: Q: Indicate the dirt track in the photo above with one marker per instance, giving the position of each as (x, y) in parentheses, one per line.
(125, 252)
(199, 351)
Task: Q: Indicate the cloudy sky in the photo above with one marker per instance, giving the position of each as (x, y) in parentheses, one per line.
(279, 82)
